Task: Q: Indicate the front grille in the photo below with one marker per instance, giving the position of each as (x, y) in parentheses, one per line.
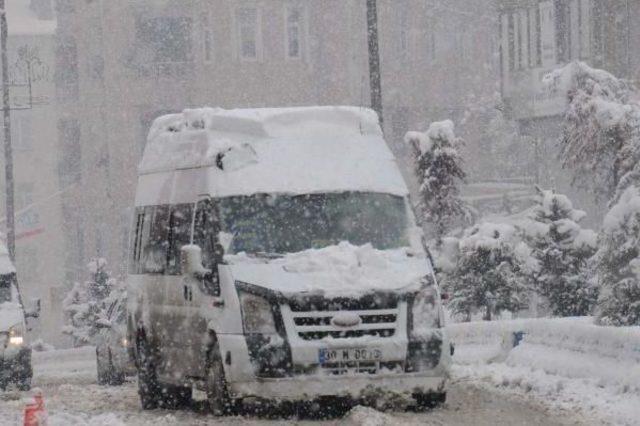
(317, 325)
(324, 304)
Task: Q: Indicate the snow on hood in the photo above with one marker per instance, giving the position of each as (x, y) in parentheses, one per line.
(344, 270)
(10, 315)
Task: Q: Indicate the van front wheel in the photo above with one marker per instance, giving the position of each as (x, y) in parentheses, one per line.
(217, 391)
(148, 387)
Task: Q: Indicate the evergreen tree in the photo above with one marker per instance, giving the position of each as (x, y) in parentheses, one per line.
(85, 304)
(562, 250)
(487, 277)
(438, 167)
(601, 130)
(618, 262)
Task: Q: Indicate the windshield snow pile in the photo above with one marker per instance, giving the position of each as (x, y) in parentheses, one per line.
(342, 270)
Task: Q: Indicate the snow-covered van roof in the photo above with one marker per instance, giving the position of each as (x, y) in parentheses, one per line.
(271, 150)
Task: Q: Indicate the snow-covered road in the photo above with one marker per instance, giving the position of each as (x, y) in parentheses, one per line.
(72, 397)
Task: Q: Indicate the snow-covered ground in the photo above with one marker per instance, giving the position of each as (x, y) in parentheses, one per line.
(72, 397)
(567, 363)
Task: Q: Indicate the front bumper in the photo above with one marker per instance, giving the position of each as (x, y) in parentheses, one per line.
(300, 386)
(15, 365)
(303, 388)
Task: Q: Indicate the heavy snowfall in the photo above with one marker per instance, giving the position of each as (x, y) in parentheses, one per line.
(320, 212)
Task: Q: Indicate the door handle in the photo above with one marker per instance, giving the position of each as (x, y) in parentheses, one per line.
(187, 293)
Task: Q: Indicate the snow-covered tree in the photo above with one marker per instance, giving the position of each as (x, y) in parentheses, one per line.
(618, 262)
(487, 277)
(601, 129)
(84, 305)
(562, 250)
(438, 167)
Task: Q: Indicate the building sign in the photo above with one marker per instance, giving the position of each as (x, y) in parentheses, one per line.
(28, 224)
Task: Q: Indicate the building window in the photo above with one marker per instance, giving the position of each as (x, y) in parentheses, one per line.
(207, 39)
(511, 41)
(432, 45)
(247, 33)
(27, 264)
(402, 20)
(22, 132)
(538, 37)
(165, 39)
(563, 31)
(294, 15)
(70, 160)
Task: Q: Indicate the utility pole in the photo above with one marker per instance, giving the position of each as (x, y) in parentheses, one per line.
(374, 59)
(8, 152)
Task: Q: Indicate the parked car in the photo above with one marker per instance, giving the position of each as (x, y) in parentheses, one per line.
(112, 359)
(15, 352)
(275, 256)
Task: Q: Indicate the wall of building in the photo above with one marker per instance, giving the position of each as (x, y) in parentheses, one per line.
(39, 238)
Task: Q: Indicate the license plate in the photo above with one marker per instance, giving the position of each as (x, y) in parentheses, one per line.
(326, 356)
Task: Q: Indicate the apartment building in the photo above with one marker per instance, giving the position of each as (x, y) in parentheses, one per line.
(122, 63)
(39, 238)
(538, 36)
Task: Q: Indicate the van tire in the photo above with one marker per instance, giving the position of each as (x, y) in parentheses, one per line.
(429, 401)
(149, 389)
(218, 397)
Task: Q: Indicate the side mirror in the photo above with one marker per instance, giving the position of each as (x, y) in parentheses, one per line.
(34, 310)
(192, 260)
(226, 239)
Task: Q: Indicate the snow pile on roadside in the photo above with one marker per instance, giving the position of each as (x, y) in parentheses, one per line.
(366, 416)
(569, 361)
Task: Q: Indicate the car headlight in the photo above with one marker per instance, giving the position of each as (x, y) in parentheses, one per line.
(257, 314)
(16, 337)
(425, 311)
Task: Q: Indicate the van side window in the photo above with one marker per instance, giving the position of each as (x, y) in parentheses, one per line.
(205, 234)
(179, 235)
(136, 241)
(155, 249)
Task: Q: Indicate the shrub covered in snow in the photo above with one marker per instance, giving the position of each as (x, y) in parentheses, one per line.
(562, 250)
(438, 167)
(601, 135)
(85, 304)
(487, 277)
(618, 262)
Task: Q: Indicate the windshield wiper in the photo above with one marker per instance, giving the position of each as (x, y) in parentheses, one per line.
(267, 255)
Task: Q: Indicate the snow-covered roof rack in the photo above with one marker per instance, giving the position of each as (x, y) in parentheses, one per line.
(196, 137)
(272, 150)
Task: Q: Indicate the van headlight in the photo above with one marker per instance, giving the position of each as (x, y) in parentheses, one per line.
(16, 337)
(425, 312)
(257, 314)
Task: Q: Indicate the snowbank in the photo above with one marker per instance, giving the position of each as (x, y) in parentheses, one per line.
(557, 359)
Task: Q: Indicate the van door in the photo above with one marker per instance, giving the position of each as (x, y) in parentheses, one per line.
(205, 300)
(178, 306)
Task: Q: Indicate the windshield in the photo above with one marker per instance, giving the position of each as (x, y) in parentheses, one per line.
(281, 224)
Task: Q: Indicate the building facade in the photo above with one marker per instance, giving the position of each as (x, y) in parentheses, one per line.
(122, 63)
(39, 237)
